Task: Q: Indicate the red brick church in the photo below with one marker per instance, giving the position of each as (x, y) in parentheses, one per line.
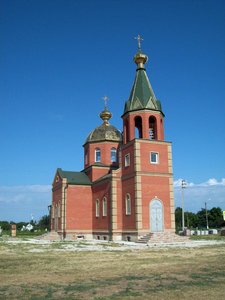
(125, 190)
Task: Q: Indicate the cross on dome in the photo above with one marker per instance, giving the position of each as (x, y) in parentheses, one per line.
(105, 99)
(105, 115)
(139, 39)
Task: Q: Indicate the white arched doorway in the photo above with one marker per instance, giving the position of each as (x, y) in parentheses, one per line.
(156, 215)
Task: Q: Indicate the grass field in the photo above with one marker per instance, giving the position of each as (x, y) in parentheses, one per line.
(39, 272)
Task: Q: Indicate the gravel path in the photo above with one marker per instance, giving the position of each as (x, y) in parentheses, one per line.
(94, 245)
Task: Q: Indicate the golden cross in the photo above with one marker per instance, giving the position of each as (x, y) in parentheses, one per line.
(139, 39)
(105, 99)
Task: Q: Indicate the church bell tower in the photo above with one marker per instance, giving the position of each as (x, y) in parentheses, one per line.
(147, 179)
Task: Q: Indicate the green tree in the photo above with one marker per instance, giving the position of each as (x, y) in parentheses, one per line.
(201, 216)
(215, 217)
(191, 220)
(178, 218)
(5, 225)
(19, 225)
(44, 222)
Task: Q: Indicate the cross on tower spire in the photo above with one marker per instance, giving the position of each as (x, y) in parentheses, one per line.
(139, 39)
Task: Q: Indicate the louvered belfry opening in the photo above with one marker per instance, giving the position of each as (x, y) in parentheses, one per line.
(152, 128)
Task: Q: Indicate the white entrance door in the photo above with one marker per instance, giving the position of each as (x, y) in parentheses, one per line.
(156, 216)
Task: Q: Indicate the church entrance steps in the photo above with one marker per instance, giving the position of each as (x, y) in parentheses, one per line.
(161, 237)
(145, 238)
(51, 236)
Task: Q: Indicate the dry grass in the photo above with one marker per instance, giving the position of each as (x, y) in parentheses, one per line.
(197, 273)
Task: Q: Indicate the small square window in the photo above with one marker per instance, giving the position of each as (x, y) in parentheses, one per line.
(154, 157)
(127, 160)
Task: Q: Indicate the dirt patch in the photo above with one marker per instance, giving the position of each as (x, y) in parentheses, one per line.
(62, 271)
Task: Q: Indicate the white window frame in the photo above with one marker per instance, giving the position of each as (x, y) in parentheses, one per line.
(128, 205)
(155, 162)
(127, 160)
(97, 150)
(104, 207)
(97, 208)
(113, 154)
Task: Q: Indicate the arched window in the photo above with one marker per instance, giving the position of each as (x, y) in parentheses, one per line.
(128, 204)
(86, 157)
(126, 135)
(113, 155)
(59, 210)
(152, 128)
(127, 160)
(138, 127)
(97, 155)
(97, 208)
(104, 207)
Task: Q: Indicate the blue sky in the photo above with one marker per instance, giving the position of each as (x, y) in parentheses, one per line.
(59, 58)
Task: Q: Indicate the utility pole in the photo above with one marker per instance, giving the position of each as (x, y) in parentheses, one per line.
(183, 185)
(206, 216)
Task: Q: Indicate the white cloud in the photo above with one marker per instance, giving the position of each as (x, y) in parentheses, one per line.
(210, 182)
(196, 194)
(18, 203)
(25, 188)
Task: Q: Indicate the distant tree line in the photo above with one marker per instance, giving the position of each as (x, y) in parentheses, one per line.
(192, 220)
(199, 219)
(42, 224)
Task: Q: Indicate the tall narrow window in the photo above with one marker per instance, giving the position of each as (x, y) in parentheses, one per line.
(127, 160)
(126, 131)
(97, 155)
(104, 207)
(97, 208)
(128, 204)
(152, 128)
(113, 155)
(86, 157)
(59, 211)
(138, 127)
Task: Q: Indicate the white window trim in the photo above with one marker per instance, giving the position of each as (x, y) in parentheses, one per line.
(128, 206)
(127, 160)
(157, 157)
(104, 207)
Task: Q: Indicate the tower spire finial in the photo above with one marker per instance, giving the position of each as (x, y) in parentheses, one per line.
(140, 58)
(139, 39)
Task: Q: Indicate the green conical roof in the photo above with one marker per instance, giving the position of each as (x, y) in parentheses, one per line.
(142, 95)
